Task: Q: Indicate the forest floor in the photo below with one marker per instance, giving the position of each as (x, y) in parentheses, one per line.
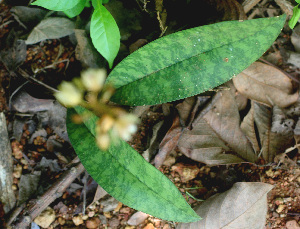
(43, 157)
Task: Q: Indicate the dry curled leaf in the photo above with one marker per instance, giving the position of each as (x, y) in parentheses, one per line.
(243, 206)
(217, 132)
(268, 129)
(267, 85)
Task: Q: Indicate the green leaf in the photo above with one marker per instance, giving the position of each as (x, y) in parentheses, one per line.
(192, 61)
(125, 175)
(57, 5)
(105, 34)
(295, 17)
(76, 10)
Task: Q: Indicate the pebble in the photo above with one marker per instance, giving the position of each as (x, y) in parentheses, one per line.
(77, 220)
(93, 223)
(137, 218)
(292, 224)
(45, 218)
(17, 171)
(149, 226)
(61, 221)
(280, 208)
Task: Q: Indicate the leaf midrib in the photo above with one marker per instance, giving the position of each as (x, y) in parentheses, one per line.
(124, 166)
(205, 51)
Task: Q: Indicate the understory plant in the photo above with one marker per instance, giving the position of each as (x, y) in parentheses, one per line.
(173, 67)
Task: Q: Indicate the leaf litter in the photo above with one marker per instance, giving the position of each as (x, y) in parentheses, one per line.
(281, 120)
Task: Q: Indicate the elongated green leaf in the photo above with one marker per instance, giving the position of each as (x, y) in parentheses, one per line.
(76, 10)
(296, 15)
(125, 175)
(191, 61)
(57, 5)
(105, 33)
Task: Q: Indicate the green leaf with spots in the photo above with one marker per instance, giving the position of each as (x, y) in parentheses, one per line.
(125, 175)
(57, 5)
(192, 61)
(76, 10)
(105, 33)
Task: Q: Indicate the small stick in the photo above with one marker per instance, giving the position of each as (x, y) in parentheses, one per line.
(56, 191)
(249, 4)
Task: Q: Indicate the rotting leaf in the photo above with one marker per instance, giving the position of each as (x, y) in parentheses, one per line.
(275, 131)
(243, 206)
(51, 28)
(269, 85)
(217, 132)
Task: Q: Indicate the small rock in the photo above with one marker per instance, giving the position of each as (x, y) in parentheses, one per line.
(77, 220)
(17, 171)
(294, 58)
(137, 218)
(278, 201)
(114, 222)
(93, 223)
(280, 208)
(45, 218)
(270, 173)
(61, 221)
(91, 213)
(167, 226)
(149, 226)
(169, 161)
(129, 227)
(85, 217)
(109, 204)
(292, 224)
(107, 214)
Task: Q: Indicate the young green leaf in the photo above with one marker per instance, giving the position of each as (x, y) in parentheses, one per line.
(76, 10)
(57, 5)
(295, 17)
(125, 175)
(192, 61)
(105, 33)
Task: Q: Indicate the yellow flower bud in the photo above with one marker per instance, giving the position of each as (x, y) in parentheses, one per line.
(93, 79)
(103, 141)
(69, 95)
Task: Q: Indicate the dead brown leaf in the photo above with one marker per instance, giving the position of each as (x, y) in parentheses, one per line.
(217, 132)
(266, 84)
(243, 206)
(268, 129)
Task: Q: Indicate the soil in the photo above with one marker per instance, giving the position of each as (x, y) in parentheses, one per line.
(53, 61)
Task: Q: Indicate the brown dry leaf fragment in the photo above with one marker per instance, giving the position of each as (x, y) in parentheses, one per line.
(275, 131)
(186, 172)
(218, 131)
(267, 85)
(243, 206)
(169, 142)
(137, 218)
(185, 108)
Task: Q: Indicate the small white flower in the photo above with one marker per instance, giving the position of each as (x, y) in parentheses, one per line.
(125, 126)
(68, 94)
(93, 79)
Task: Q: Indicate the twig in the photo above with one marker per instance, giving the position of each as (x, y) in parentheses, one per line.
(56, 191)
(28, 77)
(249, 4)
(286, 6)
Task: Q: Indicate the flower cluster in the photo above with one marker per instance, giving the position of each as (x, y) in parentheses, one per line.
(90, 92)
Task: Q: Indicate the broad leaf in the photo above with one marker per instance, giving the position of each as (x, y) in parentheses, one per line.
(269, 85)
(51, 28)
(125, 175)
(296, 15)
(76, 10)
(192, 61)
(105, 34)
(57, 5)
(242, 206)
